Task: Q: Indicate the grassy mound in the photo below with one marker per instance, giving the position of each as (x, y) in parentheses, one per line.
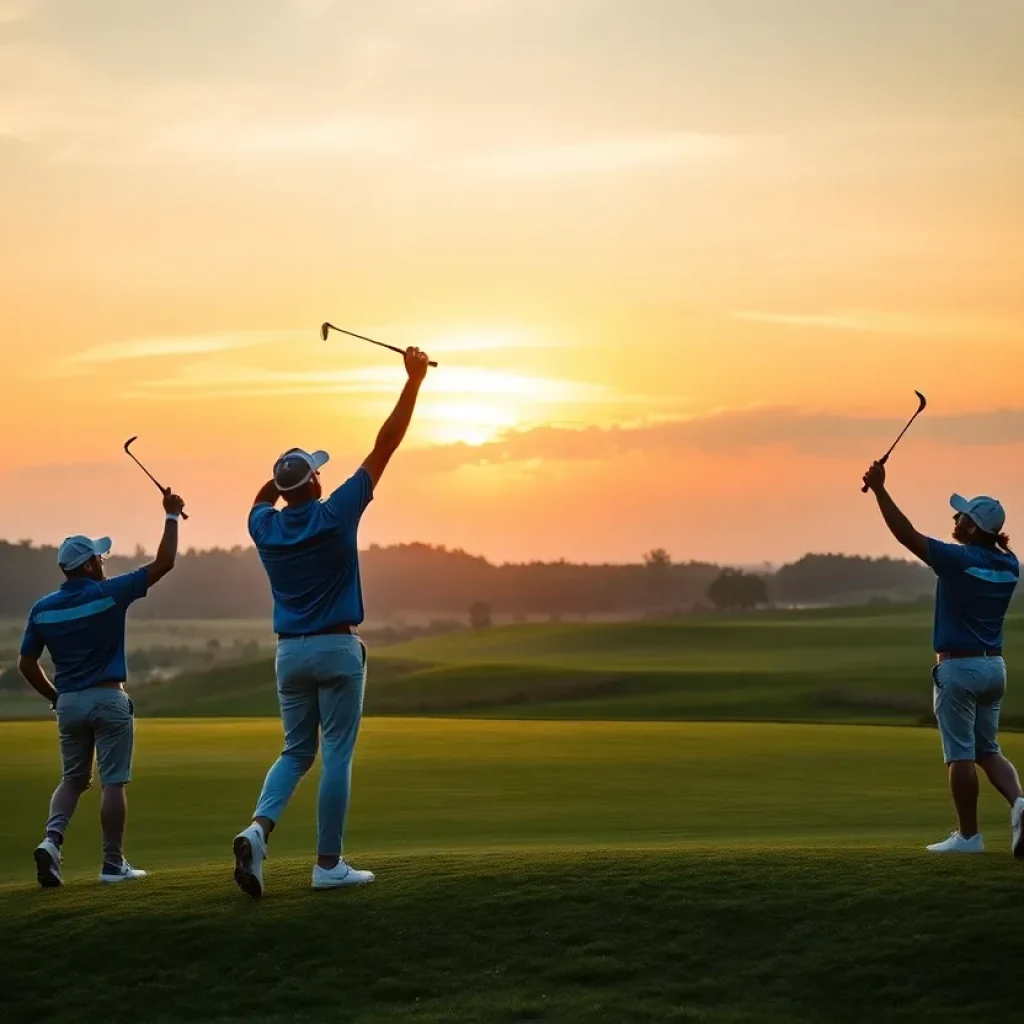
(858, 665)
(565, 936)
(557, 871)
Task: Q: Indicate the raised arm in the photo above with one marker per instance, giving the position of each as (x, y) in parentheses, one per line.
(268, 495)
(899, 525)
(167, 552)
(395, 426)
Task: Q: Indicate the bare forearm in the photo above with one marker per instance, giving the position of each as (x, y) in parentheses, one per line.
(268, 494)
(166, 553)
(900, 526)
(396, 425)
(37, 679)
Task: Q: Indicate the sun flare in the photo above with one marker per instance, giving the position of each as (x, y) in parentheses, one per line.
(471, 423)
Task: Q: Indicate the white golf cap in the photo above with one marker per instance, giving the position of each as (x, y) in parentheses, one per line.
(296, 466)
(76, 551)
(986, 513)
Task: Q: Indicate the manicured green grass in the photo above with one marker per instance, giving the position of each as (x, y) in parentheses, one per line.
(851, 665)
(639, 936)
(558, 871)
(422, 785)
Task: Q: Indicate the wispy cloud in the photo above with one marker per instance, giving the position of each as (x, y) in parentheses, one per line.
(312, 10)
(601, 155)
(181, 345)
(229, 133)
(221, 380)
(62, 106)
(464, 339)
(940, 325)
(806, 432)
(15, 10)
(831, 321)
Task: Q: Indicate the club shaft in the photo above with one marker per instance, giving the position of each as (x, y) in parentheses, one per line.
(372, 341)
(159, 486)
(885, 458)
(900, 438)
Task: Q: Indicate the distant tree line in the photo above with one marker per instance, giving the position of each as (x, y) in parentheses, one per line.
(437, 581)
(825, 578)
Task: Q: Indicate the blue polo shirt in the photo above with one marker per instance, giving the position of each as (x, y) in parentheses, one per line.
(311, 557)
(82, 625)
(972, 596)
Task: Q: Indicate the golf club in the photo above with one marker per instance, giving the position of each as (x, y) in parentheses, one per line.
(131, 455)
(922, 402)
(325, 327)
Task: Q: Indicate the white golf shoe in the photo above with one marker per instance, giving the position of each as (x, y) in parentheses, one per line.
(125, 873)
(250, 849)
(1017, 828)
(48, 857)
(956, 843)
(339, 877)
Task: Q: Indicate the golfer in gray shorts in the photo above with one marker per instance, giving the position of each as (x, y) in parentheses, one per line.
(977, 576)
(82, 625)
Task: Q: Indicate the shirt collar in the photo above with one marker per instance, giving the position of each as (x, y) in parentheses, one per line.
(76, 584)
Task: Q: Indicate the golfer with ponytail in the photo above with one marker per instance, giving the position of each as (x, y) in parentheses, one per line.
(977, 576)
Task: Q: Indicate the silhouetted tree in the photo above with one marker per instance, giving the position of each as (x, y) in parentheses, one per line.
(658, 564)
(735, 590)
(480, 615)
(657, 559)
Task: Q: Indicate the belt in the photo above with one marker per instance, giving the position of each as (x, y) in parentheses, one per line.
(343, 630)
(992, 652)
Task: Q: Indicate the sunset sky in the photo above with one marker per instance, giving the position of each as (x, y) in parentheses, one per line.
(682, 264)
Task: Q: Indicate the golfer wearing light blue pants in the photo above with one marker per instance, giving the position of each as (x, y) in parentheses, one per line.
(320, 684)
(310, 553)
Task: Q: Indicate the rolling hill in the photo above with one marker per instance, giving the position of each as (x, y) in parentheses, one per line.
(856, 665)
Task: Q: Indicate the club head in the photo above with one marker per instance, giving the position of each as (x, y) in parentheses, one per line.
(324, 328)
(130, 442)
(923, 401)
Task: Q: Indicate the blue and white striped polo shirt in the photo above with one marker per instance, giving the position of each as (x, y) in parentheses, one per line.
(82, 625)
(972, 595)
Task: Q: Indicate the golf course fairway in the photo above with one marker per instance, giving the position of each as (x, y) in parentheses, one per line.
(569, 871)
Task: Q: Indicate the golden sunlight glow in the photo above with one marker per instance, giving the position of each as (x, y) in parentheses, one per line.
(472, 423)
(708, 277)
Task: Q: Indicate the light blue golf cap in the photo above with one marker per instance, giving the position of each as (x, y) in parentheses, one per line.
(77, 550)
(986, 513)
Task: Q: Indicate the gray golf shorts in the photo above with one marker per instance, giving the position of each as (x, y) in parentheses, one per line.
(98, 722)
(968, 696)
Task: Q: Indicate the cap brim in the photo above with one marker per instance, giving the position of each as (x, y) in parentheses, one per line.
(959, 503)
(102, 546)
(320, 459)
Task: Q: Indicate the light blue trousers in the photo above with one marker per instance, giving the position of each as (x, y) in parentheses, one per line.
(320, 684)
